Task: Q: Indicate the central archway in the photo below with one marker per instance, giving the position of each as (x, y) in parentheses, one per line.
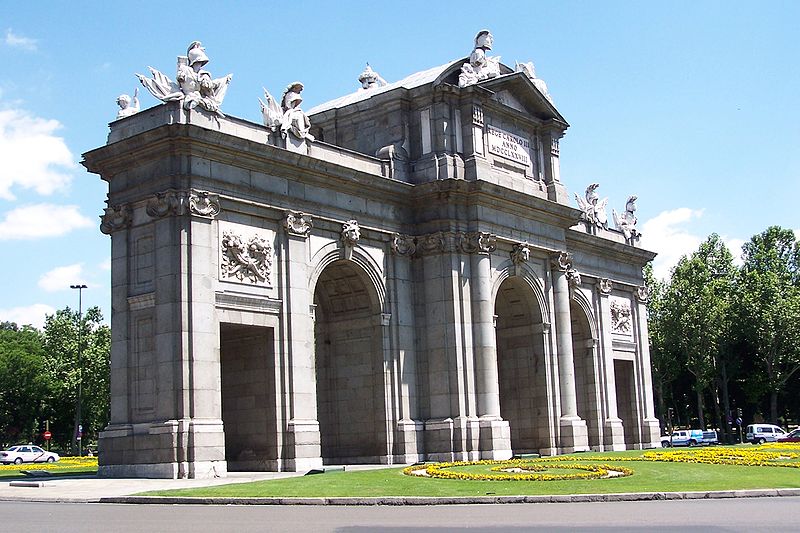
(351, 407)
(521, 366)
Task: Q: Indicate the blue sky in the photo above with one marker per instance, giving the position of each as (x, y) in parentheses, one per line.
(693, 106)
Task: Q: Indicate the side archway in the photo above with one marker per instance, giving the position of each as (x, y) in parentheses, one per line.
(351, 406)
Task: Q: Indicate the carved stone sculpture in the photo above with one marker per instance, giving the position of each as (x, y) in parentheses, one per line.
(621, 316)
(204, 204)
(606, 286)
(594, 209)
(626, 222)
(114, 218)
(297, 223)
(529, 70)
(403, 244)
(128, 106)
(271, 111)
(480, 66)
(521, 253)
(477, 242)
(194, 87)
(369, 79)
(295, 122)
(351, 233)
(250, 260)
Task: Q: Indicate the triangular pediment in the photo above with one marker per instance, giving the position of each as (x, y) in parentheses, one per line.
(519, 92)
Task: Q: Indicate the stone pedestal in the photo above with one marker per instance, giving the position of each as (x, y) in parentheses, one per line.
(495, 441)
(651, 433)
(452, 439)
(613, 435)
(408, 441)
(303, 443)
(573, 435)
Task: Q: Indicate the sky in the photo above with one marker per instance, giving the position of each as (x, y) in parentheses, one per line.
(692, 106)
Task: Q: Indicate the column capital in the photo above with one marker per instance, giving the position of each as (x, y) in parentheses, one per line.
(605, 286)
(297, 223)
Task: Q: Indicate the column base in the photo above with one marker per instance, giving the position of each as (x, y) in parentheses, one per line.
(613, 435)
(408, 447)
(651, 433)
(573, 435)
(303, 446)
(452, 439)
(495, 439)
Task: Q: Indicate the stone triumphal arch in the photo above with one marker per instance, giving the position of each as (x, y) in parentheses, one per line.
(393, 276)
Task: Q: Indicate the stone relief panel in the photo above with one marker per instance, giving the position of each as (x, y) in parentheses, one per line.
(621, 318)
(245, 254)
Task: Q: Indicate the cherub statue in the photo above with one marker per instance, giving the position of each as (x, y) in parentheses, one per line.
(370, 79)
(194, 86)
(295, 121)
(626, 222)
(124, 102)
(480, 66)
(594, 209)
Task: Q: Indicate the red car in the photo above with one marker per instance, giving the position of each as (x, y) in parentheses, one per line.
(793, 436)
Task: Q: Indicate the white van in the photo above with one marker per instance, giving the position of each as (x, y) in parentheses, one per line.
(761, 433)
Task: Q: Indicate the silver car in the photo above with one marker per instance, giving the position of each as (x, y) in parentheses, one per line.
(27, 453)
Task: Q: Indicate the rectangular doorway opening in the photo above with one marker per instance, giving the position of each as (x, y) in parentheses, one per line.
(249, 412)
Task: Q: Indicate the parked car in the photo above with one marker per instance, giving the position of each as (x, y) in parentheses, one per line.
(27, 453)
(792, 436)
(690, 437)
(761, 433)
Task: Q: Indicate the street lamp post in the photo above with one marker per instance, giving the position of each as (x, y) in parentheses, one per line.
(78, 414)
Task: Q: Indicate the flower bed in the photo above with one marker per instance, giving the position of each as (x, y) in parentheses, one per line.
(65, 463)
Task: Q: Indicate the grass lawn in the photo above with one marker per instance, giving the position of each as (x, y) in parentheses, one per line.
(649, 476)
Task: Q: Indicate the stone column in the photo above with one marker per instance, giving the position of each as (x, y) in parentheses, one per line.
(302, 431)
(495, 433)
(651, 427)
(574, 434)
(614, 432)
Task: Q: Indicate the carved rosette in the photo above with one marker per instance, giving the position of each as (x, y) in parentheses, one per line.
(115, 218)
(203, 204)
(605, 286)
(521, 253)
(297, 223)
(621, 316)
(246, 260)
(403, 244)
(477, 242)
(351, 233)
(643, 293)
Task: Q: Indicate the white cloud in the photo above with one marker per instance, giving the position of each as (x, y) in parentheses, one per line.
(42, 220)
(105, 265)
(666, 234)
(33, 315)
(61, 278)
(18, 41)
(31, 155)
(735, 246)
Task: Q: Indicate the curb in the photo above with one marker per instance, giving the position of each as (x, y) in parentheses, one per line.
(421, 500)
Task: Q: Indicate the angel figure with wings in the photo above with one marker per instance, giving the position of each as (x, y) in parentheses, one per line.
(626, 222)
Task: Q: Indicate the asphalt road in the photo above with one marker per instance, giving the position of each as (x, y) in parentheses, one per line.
(709, 516)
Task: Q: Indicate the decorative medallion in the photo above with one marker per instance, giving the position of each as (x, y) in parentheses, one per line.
(165, 203)
(203, 204)
(477, 242)
(643, 293)
(562, 261)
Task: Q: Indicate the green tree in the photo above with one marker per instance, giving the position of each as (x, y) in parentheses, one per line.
(62, 366)
(768, 317)
(23, 383)
(665, 364)
(696, 320)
